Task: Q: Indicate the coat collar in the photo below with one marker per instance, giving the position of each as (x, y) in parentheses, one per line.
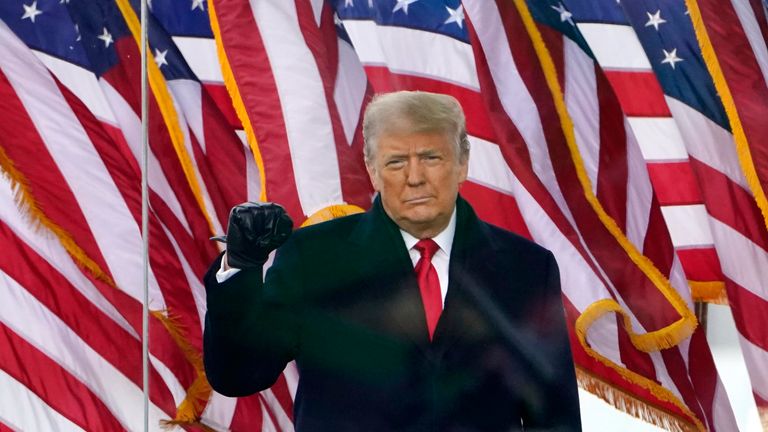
(379, 238)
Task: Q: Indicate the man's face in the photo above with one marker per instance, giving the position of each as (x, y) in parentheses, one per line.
(418, 177)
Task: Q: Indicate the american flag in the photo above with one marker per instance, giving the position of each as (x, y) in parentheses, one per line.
(590, 134)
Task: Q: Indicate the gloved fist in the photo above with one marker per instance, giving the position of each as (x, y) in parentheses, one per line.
(255, 230)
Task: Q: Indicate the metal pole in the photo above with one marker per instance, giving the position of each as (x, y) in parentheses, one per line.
(145, 214)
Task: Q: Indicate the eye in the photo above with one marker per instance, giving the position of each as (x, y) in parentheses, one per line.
(431, 158)
(395, 163)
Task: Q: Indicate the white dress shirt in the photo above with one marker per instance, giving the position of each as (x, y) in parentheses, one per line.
(441, 259)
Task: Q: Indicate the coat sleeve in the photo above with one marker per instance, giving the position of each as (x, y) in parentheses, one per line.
(251, 326)
(559, 410)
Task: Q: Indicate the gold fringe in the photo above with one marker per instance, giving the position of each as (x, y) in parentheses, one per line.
(237, 99)
(659, 339)
(167, 110)
(592, 314)
(709, 292)
(331, 212)
(29, 207)
(190, 410)
(629, 404)
(721, 85)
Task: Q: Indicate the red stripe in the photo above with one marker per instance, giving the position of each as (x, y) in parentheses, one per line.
(760, 402)
(634, 360)
(323, 42)
(24, 146)
(495, 207)
(253, 75)
(729, 203)
(248, 415)
(679, 372)
(700, 264)
(674, 183)
(57, 387)
(744, 78)
(639, 93)
(746, 306)
(658, 244)
(111, 341)
(613, 173)
(634, 287)
(703, 372)
(5, 428)
(218, 92)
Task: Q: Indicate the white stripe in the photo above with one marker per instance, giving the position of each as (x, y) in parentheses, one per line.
(706, 141)
(188, 97)
(283, 421)
(266, 421)
(193, 280)
(252, 174)
(757, 365)
(687, 225)
(639, 192)
(107, 215)
(23, 410)
(748, 267)
(414, 52)
(723, 417)
(349, 89)
(582, 102)
(130, 126)
(615, 46)
(50, 249)
(487, 166)
(82, 83)
(658, 138)
(291, 374)
(40, 327)
(752, 30)
(304, 106)
(219, 411)
(603, 337)
(514, 96)
(201, 56)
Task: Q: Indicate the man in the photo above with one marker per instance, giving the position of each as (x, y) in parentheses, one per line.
(415, 315)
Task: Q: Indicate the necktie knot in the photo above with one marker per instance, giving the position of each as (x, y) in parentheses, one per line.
(427, 248)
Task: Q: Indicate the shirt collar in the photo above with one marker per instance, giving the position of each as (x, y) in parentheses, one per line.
(444, 239)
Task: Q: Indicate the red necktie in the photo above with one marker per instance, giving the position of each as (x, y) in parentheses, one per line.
(429, 284)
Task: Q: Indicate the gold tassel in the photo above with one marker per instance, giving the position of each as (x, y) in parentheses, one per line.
(627, 403)
(709, 292)
(28, 206)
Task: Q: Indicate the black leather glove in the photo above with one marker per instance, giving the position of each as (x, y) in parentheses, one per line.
(255, 230)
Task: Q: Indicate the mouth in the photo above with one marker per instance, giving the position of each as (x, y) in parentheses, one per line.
(417, 200)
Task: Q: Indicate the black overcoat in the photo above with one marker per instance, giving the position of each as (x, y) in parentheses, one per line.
(342, 300)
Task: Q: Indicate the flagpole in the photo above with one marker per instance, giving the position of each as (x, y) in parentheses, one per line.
(145, 214)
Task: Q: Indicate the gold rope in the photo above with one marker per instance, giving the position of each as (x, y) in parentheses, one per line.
(721, 85)
(237, 99)
(167, 110)
(651, 341)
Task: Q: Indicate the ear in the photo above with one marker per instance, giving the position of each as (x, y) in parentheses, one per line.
(463, 168)
(372, 175)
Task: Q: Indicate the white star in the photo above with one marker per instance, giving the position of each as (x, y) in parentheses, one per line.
(671, 57)
(348, 3)
(336, 19)
(64, 2)
(655, 19)
(160, 58)
(77, 31)
(198, 4)
(456, 16)
(31, 11)
(403, 4)
(370, 3)
(106, 37)
(564, 14)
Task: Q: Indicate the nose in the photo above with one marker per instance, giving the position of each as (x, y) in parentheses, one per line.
(414, 173)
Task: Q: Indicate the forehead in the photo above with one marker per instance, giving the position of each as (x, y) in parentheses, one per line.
(414, 142)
